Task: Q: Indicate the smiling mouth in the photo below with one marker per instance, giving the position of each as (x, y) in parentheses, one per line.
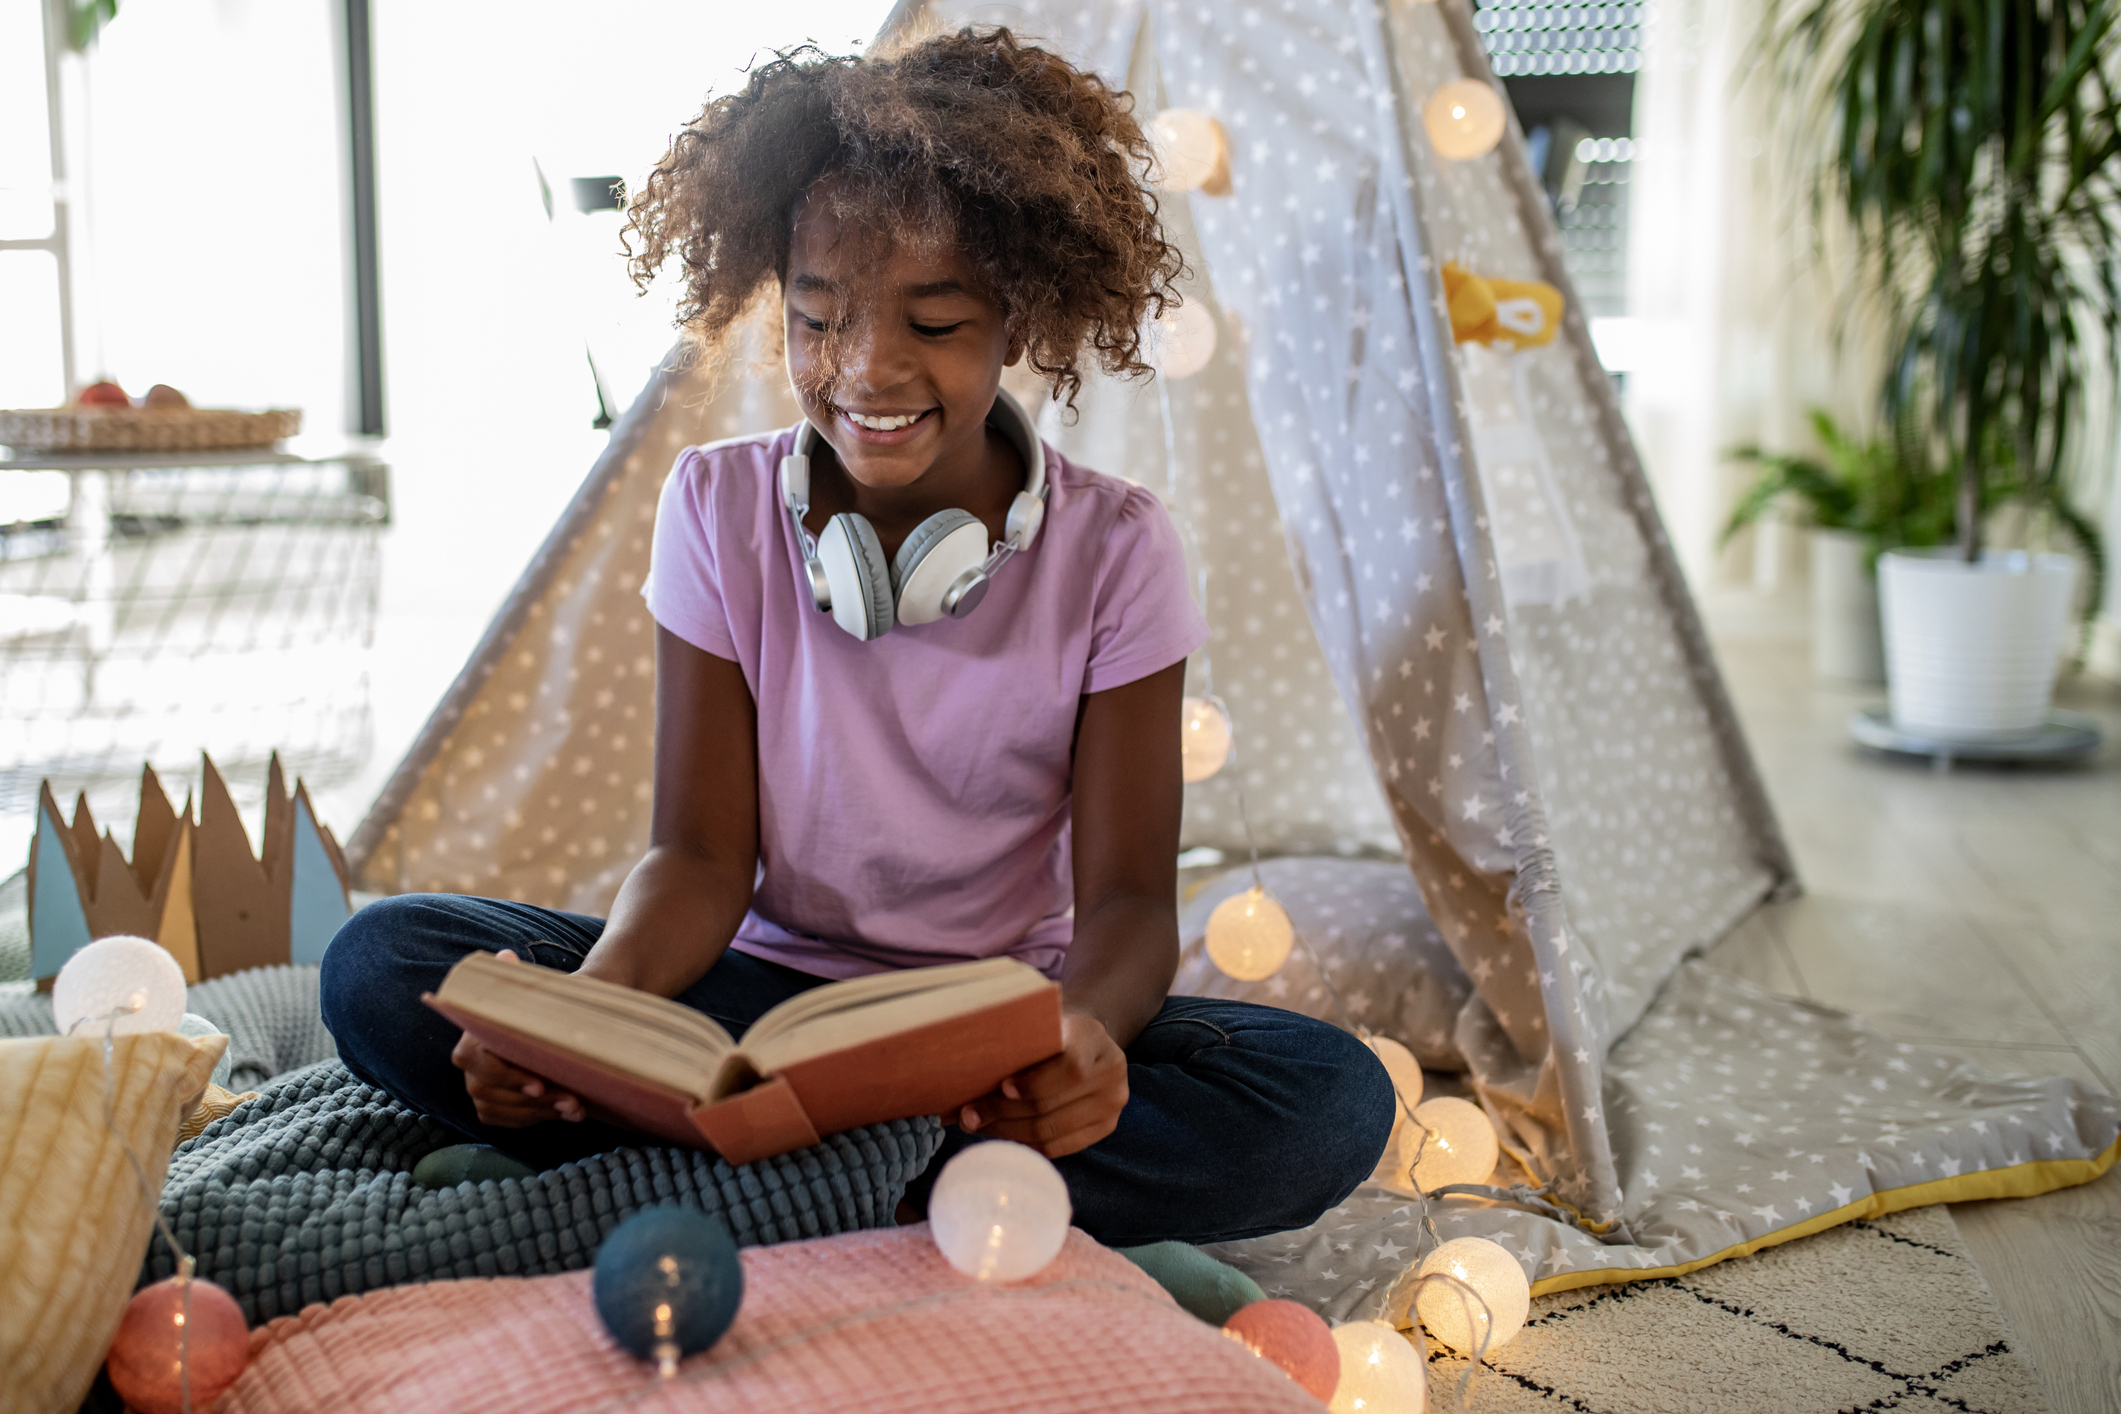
(891, 422)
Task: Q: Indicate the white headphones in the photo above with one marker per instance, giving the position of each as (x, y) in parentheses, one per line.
(943, 568)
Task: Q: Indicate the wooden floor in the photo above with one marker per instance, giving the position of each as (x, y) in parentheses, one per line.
(1978, 911)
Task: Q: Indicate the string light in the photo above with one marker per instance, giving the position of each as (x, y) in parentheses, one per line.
(1249, 935)
(1182, 339)
(1192, 152)
(180, 1343)
(1405, 1071)
(1292, 1338)
(1204, 738)
(1381, 1371)
(1452, 1315)
(1456, 1144)
(1465, 119)
(667, 1284)
(125, 984)
(999, 1211)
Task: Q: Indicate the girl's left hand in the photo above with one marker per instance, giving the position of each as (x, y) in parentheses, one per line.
(1061, 1105)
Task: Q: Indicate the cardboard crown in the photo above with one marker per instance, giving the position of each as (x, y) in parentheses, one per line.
(194, 888)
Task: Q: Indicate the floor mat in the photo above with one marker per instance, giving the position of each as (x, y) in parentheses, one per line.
(1880, 1314)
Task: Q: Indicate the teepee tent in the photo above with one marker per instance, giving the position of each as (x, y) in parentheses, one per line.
(1469, 561)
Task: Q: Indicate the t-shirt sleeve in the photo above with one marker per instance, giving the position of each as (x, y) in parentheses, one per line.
(684, 588)
(1145, 618)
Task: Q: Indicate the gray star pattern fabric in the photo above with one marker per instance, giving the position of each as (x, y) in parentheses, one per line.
(1370, 954)
(1741, 1119)
(1494, 598)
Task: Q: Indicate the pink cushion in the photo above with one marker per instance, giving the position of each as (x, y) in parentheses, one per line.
(864, 1323)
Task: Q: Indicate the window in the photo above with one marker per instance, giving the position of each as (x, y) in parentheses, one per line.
(36, 353)
(1570, 72)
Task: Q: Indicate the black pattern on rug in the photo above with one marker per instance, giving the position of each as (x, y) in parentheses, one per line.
(1871, 1316)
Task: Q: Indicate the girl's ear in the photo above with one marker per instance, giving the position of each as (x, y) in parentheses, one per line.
(1015, 354)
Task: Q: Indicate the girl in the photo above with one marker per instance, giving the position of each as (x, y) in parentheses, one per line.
(974, 754)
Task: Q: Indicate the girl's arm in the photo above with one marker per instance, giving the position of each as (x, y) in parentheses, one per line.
(682, 903)
(1128, 795)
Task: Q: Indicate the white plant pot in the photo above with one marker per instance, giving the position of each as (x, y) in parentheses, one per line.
(1845, 636)
(1972, 650)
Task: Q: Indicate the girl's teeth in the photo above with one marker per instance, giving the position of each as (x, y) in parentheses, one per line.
(883, 424)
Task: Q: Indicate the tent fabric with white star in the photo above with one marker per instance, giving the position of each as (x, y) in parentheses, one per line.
(1486, 577)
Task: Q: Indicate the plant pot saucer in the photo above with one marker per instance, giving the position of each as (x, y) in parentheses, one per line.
(2065, 736)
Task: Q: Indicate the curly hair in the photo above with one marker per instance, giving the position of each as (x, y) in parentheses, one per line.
(1032, 167)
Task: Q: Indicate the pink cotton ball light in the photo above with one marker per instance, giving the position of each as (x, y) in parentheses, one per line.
(148, 1360)
(1292, 1337)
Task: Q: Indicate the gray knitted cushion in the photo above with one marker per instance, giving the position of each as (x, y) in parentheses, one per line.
(269, 1013)
(305, 1194)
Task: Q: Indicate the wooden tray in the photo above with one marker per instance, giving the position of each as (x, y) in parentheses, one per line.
(126, 429)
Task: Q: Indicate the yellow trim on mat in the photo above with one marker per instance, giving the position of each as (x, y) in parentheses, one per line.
(2018, 1181)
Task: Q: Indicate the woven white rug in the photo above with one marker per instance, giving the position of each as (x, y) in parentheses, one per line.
(1889, 1314)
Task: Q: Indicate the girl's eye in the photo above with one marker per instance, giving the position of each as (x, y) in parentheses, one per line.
(815, 326)
(936, 331)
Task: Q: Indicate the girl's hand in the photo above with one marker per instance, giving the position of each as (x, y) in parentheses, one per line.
(1061, 1105)
(505, 1096)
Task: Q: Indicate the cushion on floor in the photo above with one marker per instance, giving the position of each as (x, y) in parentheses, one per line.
(1366, 920)
(306, 1194)
(869, 1321)
(75, 1217)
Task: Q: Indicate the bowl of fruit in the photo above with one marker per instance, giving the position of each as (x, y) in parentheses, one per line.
(103, 417)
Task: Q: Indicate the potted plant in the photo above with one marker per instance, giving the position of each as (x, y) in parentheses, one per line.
(1974, 149)
(1861, 498)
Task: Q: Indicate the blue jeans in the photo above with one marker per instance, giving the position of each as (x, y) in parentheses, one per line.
(1241, 1120)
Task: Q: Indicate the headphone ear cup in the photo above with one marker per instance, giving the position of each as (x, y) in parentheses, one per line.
(941, 548)
(860, 578)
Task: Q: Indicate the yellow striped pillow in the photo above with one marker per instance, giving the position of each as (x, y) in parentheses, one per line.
(74, 1222)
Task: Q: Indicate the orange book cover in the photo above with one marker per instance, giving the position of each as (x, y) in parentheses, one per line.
(928, 1069)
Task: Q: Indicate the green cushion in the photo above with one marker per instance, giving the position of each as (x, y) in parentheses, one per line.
(467, 1163)
(1211, 1290)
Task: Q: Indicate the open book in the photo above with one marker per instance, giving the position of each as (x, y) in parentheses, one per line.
(888, 1046)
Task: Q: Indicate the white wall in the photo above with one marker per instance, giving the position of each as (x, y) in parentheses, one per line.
(1735, 314)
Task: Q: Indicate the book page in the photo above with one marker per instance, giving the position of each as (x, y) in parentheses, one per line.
(860, 1009)
(649, 1036)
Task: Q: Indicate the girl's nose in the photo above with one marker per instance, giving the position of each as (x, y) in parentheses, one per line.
(877, 358)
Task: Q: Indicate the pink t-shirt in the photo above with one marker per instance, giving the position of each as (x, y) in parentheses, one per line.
(913, 790)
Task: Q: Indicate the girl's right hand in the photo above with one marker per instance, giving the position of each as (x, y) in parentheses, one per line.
(506, 1096)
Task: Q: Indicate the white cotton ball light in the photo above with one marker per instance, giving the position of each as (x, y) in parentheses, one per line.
(999, 1211)
(1465, 119)
(1454, 1317)
(1456, 1142)
(1406, 1076)
(1249, 935)
(1381, 1371)
(133, 977)
(1405, 1071)
(1192, 152)
(1203, 739)
(1182, 340)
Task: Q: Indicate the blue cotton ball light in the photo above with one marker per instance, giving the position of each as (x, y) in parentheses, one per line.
(668, 1284)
